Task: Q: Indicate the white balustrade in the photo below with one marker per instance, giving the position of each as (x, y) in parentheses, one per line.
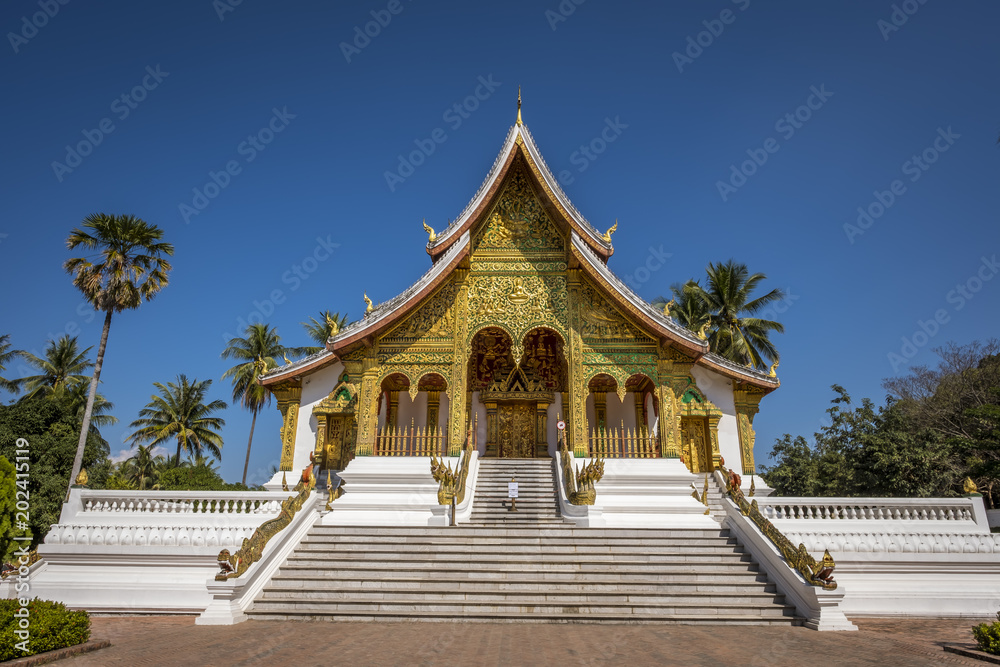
(183, 502)
(163, 518)
(867, 509)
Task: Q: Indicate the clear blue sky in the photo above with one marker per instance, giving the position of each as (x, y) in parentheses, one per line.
(886, 95)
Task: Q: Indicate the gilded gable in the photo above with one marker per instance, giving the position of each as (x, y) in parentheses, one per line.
(518, 223)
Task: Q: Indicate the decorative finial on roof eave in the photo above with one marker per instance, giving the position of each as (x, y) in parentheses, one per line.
(430, 232)
(519, 105)
(607, 235)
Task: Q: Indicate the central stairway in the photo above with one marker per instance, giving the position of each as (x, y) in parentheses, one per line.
(537, 503)
(524, 566)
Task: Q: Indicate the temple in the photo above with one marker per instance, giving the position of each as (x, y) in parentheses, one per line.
(517, 325)
(518, 437)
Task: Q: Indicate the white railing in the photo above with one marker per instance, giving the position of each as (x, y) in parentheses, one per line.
(163, 518)
(183, 502)
(867, 509)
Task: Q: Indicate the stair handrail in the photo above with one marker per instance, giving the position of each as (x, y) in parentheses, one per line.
(579, 483)
(816, 573)
(451, 483)
(234, 565)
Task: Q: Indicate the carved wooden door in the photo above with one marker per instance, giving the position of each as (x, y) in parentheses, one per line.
(339, 441)
(516, 432)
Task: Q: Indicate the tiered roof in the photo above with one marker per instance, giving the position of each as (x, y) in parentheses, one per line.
(588, 246)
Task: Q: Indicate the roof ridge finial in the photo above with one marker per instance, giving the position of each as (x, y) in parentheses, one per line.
(519, 105)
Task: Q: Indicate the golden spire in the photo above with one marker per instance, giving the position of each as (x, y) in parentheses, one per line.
(519, 105)
(612, 230)
(430, 232)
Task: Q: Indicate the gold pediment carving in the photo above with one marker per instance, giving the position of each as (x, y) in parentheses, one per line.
(601, 321)
(519, 222)
(343, 399)
(434, 319)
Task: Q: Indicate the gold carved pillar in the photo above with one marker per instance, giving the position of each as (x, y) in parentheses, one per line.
(576, 411)
(713, 431)
(288, 396)
(747, 398)
(367, 413)
(459, 401)
(320, 451)
(673, 370)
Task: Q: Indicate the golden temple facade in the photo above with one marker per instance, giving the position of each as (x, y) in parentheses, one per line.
(520, 330)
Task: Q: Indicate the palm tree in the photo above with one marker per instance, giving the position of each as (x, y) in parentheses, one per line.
(143, 468)
(734, 333)
(687, 307)
(129, 268)
(63, 368)
(75, 400)
(319, 330)
(6, 356)
(180, 413)
(257, 351)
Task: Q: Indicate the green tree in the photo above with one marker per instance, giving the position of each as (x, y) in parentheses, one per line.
(143, 468)
(196, 478)
(734, 333)
(75, 399)
(8, 506)
(257, 351)
(51, 431)
(129, 268)
(688, 306)
(795, 471)
(319, 330)
(180, 414)
(63, 367)
(7, 355)
(864, 451)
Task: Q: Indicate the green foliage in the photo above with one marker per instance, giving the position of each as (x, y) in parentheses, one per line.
(988, 636)
(63, 366)
(724, 304)
(8, 502)
(936, 428)
(863, 451)
(52, 434)
(180, 414)
(50, 624)
(320, 329)
(116, 481)
(195, 478)
(6, 357)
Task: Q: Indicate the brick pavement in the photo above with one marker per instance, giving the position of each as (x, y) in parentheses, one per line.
(160, 640)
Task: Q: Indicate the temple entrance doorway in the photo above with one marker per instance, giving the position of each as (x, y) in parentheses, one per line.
(517, 395)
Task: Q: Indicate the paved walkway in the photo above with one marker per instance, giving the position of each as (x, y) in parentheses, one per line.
(160, 640)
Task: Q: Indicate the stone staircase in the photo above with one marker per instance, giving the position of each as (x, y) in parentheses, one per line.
(537, 503)
(528, 566)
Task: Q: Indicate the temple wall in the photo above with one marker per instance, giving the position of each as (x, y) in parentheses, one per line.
(315, 387)
(719, 390)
